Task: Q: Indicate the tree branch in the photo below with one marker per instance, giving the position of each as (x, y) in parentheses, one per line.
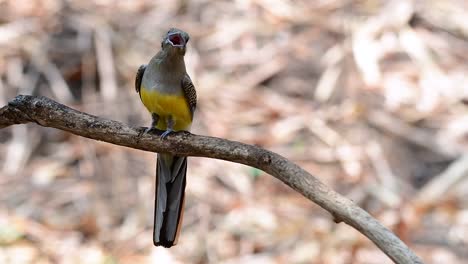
(48, 113)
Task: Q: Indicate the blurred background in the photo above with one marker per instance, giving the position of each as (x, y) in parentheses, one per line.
(371, 97)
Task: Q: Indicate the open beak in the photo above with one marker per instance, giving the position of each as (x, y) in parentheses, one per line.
(176, 40)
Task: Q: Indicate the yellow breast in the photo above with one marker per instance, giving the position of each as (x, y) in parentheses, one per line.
(166, 105)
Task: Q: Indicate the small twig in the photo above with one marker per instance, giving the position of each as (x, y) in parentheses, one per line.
(330, 77)
(441, 184)
(2, 93)
(17, 28)
(388, 185)
(412, 134)
(263, 72)
(381, 165)
(58, 85)
(19, 150)
(49, 113)
(105, 61)
(433, 14)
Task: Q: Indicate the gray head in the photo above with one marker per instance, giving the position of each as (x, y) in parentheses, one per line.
(175, 41)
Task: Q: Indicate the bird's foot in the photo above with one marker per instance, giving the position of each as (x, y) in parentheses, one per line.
(167, 132)
(144, 132)
(147, 130)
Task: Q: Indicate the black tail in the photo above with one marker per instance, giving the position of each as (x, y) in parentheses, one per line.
(169, 199)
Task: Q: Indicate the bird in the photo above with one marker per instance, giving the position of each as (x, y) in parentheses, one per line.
(168, 93)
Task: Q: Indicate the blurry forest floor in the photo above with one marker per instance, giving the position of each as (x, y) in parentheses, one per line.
(369, 96)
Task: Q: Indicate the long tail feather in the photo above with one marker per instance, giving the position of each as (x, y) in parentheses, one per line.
(169, 199)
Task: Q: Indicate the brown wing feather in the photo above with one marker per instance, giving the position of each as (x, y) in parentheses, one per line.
(139, 77)
(190, 93)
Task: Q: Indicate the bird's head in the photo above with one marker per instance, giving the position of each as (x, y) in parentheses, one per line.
(175, 41)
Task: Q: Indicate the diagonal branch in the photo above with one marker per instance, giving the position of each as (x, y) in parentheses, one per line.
(48, 113)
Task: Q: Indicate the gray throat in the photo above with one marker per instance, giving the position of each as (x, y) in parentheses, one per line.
(165, 72)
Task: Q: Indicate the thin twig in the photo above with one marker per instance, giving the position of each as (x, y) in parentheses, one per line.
(412, 134)
(438, 187)
(106, 63)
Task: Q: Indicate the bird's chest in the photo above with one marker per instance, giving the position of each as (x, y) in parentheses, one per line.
(165, 105)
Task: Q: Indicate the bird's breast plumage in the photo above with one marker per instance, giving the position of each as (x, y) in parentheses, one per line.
(167, 104)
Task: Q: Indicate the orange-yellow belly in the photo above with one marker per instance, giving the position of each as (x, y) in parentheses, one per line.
(166, 105)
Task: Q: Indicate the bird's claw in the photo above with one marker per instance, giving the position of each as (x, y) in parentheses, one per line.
(167, 132)
(146, 131)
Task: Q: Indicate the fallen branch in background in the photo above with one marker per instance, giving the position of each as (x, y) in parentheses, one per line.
(48, 113)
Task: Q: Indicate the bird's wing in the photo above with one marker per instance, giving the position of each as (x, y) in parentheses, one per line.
(190, 93)
(139, 77)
